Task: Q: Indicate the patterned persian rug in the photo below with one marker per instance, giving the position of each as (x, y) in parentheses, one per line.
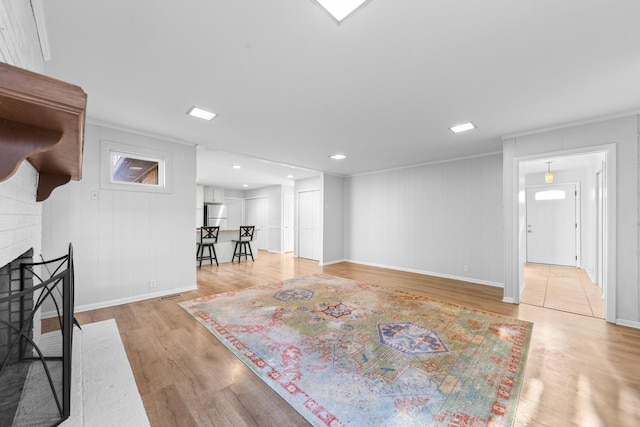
(345, 353)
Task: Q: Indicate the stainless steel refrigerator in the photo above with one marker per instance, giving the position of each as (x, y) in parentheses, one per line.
(215, 214)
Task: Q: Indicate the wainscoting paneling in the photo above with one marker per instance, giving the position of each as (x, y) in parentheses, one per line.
(444, 218)
(125, 239)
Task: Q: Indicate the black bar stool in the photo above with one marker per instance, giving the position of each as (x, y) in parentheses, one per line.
(208, 237)
(243, 244)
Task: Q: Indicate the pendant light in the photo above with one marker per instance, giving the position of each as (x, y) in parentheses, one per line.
(548, 177)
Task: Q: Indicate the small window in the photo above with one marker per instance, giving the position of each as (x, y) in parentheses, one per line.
(551, 195)
(133, 168)
(136, 169)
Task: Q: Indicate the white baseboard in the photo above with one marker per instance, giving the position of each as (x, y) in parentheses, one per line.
(332, 262)
(431, 273)
(629, 323)
(120, 301)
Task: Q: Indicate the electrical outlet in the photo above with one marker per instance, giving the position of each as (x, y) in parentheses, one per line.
(466, 268)
(153, 283)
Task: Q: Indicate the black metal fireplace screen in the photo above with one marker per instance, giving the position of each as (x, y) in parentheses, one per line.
(35, 365)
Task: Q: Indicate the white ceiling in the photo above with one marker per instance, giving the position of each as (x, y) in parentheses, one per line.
(215, 168)
(291, 86)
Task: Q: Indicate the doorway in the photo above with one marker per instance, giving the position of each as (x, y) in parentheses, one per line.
(597, 158)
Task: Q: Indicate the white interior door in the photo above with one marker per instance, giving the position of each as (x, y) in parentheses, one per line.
(234, 212)
(287, 223)
(551, 225)
(256, 212)
(309, 239)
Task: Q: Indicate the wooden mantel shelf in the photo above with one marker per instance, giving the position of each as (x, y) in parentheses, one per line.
(41, 120)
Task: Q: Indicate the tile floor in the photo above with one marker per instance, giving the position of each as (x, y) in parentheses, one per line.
(562, 288)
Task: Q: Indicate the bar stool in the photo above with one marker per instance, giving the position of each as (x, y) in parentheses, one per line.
(208, 238)
(243, 243)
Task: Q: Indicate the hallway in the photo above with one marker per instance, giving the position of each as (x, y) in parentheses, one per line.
(562, 288)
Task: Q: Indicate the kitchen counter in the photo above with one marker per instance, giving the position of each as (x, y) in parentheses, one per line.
(225, 246)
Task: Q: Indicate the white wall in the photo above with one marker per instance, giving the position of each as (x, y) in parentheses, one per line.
(20, 215)
(199, 206)
(333, 219)
(443, 219)
(622, 132)
(124, 239)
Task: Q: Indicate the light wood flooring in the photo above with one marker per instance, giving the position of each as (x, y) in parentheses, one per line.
(562, 288)
(581, 371)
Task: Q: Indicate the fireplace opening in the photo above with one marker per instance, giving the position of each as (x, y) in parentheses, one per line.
(15, 378)
(35, 367)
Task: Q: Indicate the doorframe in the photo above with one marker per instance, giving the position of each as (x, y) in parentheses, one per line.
(292, 213)
(515, 227)
(599, 229)
(576, 211)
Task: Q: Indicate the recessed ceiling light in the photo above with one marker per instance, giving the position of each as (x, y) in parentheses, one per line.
(236, 166)
(340, 9)
(290, 176)
(338, 156)
(200, 113)
(462, 127)
(245, 185)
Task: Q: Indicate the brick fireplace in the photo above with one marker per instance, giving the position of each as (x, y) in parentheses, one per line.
(35, 368)
(10, 312)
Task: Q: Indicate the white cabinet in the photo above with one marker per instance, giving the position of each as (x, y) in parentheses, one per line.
(209, 193)
(218, 195)
(213, 195)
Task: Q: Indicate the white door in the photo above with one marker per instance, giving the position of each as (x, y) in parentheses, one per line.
(256, 212)
(551, 225)
(234, 212)
(287, 223)
(309, 239)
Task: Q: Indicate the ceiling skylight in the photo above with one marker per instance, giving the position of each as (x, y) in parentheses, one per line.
(340, 9)
(200, 113)
(462, 127)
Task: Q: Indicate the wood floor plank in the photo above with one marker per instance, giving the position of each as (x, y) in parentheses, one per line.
(166, 407)
(581, 371)
(250, 391)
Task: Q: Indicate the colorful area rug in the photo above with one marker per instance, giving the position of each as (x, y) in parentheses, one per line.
(345, 353)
